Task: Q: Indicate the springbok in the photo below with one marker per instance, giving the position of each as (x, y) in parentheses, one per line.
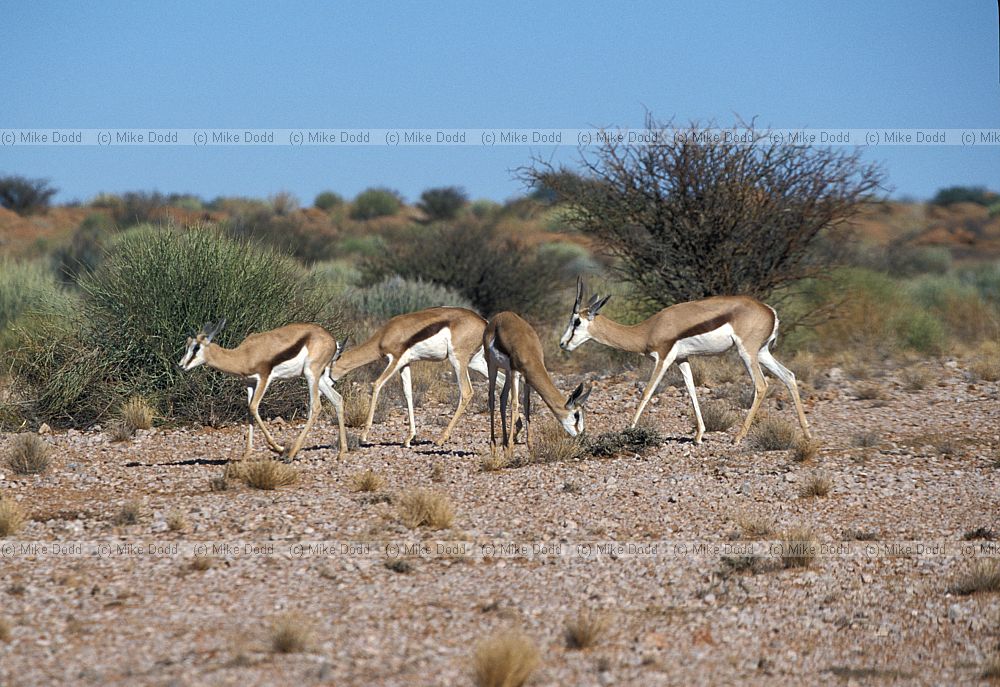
(455, 334)
(705, 327)
(295, 350)
(510, 343)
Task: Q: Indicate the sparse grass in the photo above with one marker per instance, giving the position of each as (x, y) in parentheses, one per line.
(798, 548)
(862, 535)
(734, 565)
(357, 398)
(507, 659)
(176, 522)
(11, 517)
(551, 444)
(753, 526)
(28, 454)
(290, 634)
(367, 481)
(137, 413)
(980, 533)
(437, 472)
(398, 565)
(493, 461)
(264, 474)
(129, 514)
(5, 630)
(982, 576)
(718, 416)
(816, 484)
(991, 668)
(425, 508)
(638, 439)
(772, 434)
(866, 439)
(805, 450)
(119, 431)
(201, 563)
(985, 369)
(220, 483)
(585, 629)
(869, 391)
(915, 379)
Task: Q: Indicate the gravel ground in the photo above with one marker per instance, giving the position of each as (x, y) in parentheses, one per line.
(121, 616)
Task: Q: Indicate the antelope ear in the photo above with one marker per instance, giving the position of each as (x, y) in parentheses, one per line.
(578, 397)
(596, 306)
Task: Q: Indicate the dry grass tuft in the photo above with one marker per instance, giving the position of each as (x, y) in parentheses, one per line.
(991, 669)
(718, 416)
(985, 369)
(437, 472)
(11, 517)
(585, 629)
(551, 444)
(129, 514)
(263, 474)
(507, 659)
(980, 533)
(772, 434)
(220, 483)
(869, 391)
(369, 480)
(118, 431)
(915, 379)
(983, 576)
(357, 398)
(493, 461)
(28, 454)
(5, 630)
(805, 450)
(176, 521)
(290, 634)
(866, 440)
(201, 563)
(635, 439)
(753, 526)
(425, 508)
(798, 548)
(734, 565)
(138, 413)
(816, 484)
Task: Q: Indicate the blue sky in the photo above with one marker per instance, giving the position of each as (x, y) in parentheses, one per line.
(298, 65)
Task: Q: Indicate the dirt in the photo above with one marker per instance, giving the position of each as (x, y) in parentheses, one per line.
(115, 614)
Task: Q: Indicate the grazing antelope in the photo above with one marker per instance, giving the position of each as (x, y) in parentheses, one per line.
(704, 327)
(455, 334)
(296, 350)
(510, 343)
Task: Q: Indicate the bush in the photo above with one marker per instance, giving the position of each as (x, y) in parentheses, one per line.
(772, 434)
(156, 287)
(25, 196)
(375, 202)
(506, 659)
(327, 200)
(284, 203)
(28, 454)
(442, 203)
(282, 230)
(395, 296)
(492, 272)
(28, 288)
(86, 250)
(638, 439)
(422, 507)
(963, 194)
(11, 516)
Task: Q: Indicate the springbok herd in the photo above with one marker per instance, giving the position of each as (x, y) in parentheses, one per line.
(504, 349)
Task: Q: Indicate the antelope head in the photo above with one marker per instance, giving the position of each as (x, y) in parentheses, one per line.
(573, 421)
(196, 345)
(578, 330)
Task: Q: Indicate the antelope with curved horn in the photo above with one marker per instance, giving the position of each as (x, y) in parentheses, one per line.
(510, 343)
(296, 350)
(705, 327)
(455, 334)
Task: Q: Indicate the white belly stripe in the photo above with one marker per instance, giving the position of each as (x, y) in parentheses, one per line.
(715, 341)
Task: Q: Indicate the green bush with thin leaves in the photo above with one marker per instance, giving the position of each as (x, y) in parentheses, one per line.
(394, 296)
(155, 288)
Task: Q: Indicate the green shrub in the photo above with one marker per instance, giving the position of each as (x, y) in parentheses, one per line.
(394, 296)
(28, 287)
(963, 194)
(906, 261)
(327, 200)
(442, 203)
(494, 273)
(375, 202)
(369, 245)
(335, 275)
(25, 196)
(283, 203)
(280, 228)
(155, 288)
(87, 248)
(920, 331)
(485, 209)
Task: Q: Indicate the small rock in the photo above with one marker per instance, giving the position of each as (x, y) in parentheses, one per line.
(790, 477)
(45, 429)
(954, 612)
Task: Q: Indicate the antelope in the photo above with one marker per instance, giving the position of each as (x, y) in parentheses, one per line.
(455, 334)
(296, 350)
(705, 327)
(510, 343)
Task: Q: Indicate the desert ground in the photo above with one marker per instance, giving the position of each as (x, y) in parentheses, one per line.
(408, 606)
